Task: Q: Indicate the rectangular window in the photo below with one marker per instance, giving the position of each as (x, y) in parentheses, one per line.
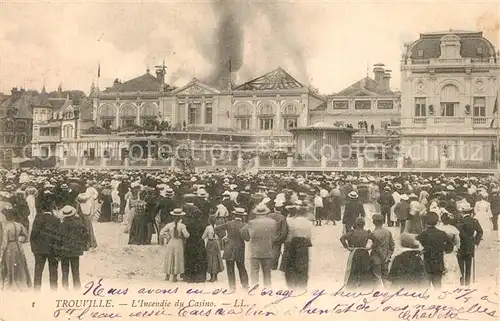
(44, 131)
(479, 51)
(266, 123)
(107, 123)
(420, 105)
(244, 123)
(420, 53)
(479, 107)
(128, 122)
(363, 104)
(340, 104)
(290, 123)
(208, 113)
(92, 153)
(385, 104)
(448, 109)
(193, 113)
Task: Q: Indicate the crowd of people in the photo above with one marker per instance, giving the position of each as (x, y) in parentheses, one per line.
(206, 219)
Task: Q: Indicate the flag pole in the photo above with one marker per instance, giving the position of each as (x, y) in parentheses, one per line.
(497, 158)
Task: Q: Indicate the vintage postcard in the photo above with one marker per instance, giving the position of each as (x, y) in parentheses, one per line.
(164, 160)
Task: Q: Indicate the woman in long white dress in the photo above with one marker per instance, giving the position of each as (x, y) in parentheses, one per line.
(451, 276)
(175, 233)
(482, 211)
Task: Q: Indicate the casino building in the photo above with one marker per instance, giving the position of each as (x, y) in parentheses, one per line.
(129, 115)
(449, 84)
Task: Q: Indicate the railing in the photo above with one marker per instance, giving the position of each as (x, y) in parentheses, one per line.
(448, 120)
(477, 122)
(49, 139)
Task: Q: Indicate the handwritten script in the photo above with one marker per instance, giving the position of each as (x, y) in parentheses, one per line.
(104, 301)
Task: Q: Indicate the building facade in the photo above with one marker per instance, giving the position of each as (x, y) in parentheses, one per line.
(16, 125)
(146, 109)
(449, 84)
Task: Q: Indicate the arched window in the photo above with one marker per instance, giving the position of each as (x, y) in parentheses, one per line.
(148, 113)
(243, 116)
(266, 116)
(266, 109)
(67, 131)
(244, 110)
(290, 116)
(128, 115)
(107, 114)
(290, 109)
(450, 99)
(107, 111)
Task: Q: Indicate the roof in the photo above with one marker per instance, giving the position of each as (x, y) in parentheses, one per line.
(364, 87)
(321, 106)
(59, 104)
(146, 82)
(85, 107)
(22, 102)
(276, 79)
(430, 45)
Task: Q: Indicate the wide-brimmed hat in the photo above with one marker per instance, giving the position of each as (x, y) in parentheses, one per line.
(68, 211)
(239, 211)
(261, 209)
(409, 241)
(201, 193)
(177, 212)
(466, 208)
(404, 197)
(353, 194)
(169, 191)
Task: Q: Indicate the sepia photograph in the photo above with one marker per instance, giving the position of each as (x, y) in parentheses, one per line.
(232, 159)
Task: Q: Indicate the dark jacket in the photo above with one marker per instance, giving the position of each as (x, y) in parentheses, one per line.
(353, 210)
(435, 243)
(281, 227)
(471, 234)
(45, 237)
(74, 237)
(386, 200)
(495, 203)
(234, 247)
(402, 210)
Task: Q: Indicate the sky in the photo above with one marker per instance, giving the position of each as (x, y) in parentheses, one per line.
(325, 44)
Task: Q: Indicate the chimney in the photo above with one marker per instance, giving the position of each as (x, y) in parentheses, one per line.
(378, 71)
(386, 80)
(160, 75)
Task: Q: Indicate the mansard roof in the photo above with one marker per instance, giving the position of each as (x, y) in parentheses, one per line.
(273, 80)
(429, 45)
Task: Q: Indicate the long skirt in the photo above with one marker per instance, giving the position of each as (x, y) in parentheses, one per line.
(87, 221)
(174, 257)
(414, 225)
(214, 259)
(139, 231)
(15, 275)
(297, 263)
(195, 260)
(359, 273)
(451, 276)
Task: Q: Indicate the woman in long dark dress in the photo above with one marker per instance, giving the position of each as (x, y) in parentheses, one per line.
(195, 254)
(359, 272)
(106, 201)
(139, 228)
(298, 242)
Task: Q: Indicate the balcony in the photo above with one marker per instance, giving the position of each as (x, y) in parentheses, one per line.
(49, 139)
(462, 121)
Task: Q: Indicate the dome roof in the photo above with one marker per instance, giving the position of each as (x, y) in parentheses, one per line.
(472, 45)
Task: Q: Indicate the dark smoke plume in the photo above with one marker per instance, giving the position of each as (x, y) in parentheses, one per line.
(229, 40)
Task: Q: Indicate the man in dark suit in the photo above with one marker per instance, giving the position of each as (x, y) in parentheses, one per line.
(234, 248)
(471, 234)
(45, 241)
(281, 232)
(435, 243)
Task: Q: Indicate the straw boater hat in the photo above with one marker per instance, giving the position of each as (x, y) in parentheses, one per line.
(169, 191)
(177, 212)
(261, 209)
(404, 197)
(202, 193)
(353, 195)
(466, 208)
(68, 211)
(239, 211)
